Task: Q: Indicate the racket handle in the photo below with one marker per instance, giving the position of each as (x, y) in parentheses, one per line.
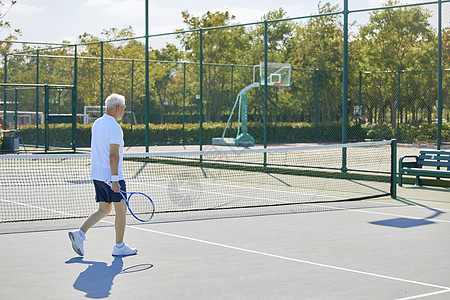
(109, 183)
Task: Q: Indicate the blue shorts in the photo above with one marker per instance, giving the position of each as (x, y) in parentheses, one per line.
(104, 193)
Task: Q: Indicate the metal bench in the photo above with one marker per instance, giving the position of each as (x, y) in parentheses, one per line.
(436, 161)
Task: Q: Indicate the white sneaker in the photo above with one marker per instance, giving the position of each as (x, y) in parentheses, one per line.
(77, 242)
(125, 250)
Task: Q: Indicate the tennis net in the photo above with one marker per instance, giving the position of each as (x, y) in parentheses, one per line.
(54, 191)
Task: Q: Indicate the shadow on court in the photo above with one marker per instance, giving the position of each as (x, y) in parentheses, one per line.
(410, 222)
(97, 280)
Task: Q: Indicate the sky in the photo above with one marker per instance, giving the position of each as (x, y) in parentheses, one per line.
(58, 20)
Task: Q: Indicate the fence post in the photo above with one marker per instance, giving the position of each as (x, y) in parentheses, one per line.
(345, 88)
(358, 120)
(276, 112)
(5, 80)
(439, 91)
(398, 106)
(101, 78)
(265, 90)
(46, 125)
(37, 98)
(184, 100)
(75, 100)
(132, 101)
(316, 123)
(16, 104)
(201, 91)
(147, 82)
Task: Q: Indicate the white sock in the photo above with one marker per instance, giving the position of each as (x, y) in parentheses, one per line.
(120, 245)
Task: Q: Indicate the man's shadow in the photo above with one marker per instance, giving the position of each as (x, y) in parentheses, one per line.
(97, 280)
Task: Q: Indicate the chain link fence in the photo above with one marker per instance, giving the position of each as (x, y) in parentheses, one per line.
(392, 82)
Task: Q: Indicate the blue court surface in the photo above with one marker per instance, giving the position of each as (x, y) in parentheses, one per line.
(380, 249)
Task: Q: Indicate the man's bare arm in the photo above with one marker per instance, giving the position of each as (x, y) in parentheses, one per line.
(114, 164)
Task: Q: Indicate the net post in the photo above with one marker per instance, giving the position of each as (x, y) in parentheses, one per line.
(393, 169)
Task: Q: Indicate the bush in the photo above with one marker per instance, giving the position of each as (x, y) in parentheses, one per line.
(379, 131)
(283, 132)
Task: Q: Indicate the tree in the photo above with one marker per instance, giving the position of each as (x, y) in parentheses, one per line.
(5, 26)
(227, 46)
(164, 75)
(397, 39)
(278, 36)
(318, 45)
(117, 68)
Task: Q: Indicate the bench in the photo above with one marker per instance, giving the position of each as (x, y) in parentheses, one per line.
(438, 162)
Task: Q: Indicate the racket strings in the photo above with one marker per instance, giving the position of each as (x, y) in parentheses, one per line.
(140, 206)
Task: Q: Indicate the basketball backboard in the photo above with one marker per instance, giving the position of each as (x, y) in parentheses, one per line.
(278, 74)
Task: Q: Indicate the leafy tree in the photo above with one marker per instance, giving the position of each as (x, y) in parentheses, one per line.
(117, 70)
(225, 46)
(5, 27)
(278, 36)
(397, 39)
(318, 45)
(164, 75)
(393, 39)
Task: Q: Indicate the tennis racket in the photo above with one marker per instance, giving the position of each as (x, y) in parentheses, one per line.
(140, 205)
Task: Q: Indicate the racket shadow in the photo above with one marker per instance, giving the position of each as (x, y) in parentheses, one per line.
(97, 280)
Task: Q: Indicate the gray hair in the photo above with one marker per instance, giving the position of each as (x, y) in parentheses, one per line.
(113, 100)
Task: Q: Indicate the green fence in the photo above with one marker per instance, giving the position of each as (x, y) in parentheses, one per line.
(374, 74)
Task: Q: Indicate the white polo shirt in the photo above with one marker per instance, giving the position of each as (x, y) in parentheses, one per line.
(105, 131)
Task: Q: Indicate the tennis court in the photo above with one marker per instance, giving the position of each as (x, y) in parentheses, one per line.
(230, 231)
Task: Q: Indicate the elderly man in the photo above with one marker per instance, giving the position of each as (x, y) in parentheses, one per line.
(106, 166)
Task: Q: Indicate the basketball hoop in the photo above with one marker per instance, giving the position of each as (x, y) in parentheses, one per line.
(280, 86)
(277, 74)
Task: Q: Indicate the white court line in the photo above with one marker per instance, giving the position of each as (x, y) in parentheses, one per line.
(39, 207)
(444, 288)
